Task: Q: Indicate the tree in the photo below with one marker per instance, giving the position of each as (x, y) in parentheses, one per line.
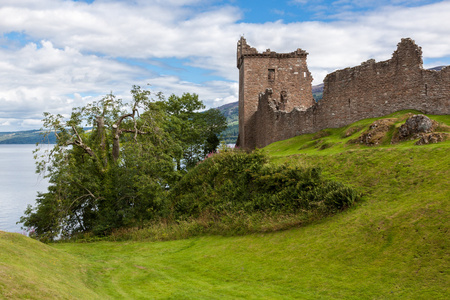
(118, 172)
(113, 175)
(197, 132)
(214, 123)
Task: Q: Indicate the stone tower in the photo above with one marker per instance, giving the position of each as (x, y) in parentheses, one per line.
(286, 74)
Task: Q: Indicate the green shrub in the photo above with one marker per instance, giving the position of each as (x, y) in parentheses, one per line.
(236, 181)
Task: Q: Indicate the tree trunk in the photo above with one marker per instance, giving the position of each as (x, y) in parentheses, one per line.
(116, 143)
(101, 136)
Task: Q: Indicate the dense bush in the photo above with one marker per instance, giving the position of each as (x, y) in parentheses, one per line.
(240, 182)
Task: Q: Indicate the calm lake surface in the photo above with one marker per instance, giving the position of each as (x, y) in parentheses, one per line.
(19, 184)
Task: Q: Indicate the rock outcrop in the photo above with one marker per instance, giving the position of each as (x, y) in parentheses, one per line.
(376, 133)
(415, 127)
(432, 138)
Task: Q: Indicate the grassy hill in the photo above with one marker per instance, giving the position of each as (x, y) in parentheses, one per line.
(392, 245)
(32, 270)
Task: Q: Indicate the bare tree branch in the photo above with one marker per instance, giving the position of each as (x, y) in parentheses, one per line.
(136, 131)
(124, 117)
(79, 143)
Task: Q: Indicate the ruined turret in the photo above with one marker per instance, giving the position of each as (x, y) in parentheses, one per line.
(286, 74)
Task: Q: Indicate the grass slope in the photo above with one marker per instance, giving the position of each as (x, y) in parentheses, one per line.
(392, 245)
(32, 270)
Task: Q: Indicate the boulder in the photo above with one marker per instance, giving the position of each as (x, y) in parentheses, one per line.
(415, 127)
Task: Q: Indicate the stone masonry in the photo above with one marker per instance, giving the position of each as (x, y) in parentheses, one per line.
(285, 75)
(275, 97)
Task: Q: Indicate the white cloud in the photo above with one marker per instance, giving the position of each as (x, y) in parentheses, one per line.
(213, 93)
(31, 123)
(41, 78)
(72, 49)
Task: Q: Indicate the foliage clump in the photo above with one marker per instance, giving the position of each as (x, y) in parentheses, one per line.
(236, 181)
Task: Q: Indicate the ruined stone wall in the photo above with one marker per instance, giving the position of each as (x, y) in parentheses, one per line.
(286, 74)
(376, 89)
(366, 91)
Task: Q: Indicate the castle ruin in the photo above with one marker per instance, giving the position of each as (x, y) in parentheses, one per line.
(276, 102)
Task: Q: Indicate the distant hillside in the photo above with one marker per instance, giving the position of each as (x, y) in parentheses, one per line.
(25, 137)
(231, 112)
(317, 91)
(437, 68)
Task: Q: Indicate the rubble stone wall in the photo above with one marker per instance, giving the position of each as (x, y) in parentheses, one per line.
(366, 91)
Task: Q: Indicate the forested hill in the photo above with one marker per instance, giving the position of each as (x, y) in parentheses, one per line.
(25, 137)
(231, 112)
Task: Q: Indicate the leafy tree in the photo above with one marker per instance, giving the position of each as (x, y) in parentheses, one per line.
(118, 173)
(213, 124)
(114, 175)
(197, 132)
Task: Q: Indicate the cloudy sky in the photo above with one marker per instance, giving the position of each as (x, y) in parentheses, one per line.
(57, 54)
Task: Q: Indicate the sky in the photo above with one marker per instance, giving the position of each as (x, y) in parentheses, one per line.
(60, 54)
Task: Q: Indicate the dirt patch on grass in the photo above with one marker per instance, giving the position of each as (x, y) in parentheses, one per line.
(376, 133)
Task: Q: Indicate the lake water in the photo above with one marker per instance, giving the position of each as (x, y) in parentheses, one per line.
(19, 184)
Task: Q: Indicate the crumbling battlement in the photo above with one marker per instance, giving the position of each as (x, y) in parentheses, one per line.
(366, 91)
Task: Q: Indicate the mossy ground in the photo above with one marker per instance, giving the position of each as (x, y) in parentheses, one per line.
(392, 245)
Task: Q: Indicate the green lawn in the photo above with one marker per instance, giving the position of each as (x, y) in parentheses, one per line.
(394, 244)
(32, 270)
